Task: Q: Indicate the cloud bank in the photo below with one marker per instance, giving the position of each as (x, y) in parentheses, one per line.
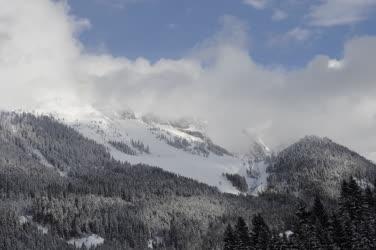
(44, 66)
(340, 12)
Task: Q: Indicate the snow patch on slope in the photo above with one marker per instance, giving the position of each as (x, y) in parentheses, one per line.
(22, 220)
(88, 241)
(206, 168)
(42, 229)
(29, 219)
(258, 177)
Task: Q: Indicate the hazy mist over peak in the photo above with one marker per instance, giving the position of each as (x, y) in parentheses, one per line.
(44, 66)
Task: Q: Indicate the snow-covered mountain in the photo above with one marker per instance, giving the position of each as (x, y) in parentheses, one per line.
(310, 166)
(179, 146)
(317, 166)
(59, 188)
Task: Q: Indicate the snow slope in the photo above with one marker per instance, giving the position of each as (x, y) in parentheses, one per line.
(184, 150)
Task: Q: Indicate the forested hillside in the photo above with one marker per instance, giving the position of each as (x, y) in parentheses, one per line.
(317, 165)
(349, 225)
(58, 188)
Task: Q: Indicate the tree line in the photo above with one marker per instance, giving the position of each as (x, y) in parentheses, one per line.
(351, 224)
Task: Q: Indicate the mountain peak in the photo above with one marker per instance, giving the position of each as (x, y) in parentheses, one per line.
(315, 139)
(316, 165)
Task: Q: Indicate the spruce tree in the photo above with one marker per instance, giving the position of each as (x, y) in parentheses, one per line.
(319, 213)
(260, 235)
(368, 220)
(243, 241)
(355, 200)
(306, 235)
(337, 234)
(320, 222)
(229, 238)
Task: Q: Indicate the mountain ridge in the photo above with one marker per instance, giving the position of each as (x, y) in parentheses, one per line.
(184, 149)
(125, 205)
(315, 165)
(181, 148)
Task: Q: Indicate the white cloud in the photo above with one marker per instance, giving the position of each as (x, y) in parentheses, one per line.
(296, 34)
(43, 65)
(222, 84)
(335, 64)
(258, 4)
(279, 15)
(340, 12)
(38, 52)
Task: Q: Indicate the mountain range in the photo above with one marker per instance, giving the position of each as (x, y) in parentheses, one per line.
(120, 181)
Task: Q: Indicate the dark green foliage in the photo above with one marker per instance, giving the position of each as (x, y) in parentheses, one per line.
(305, 235)
(237, 181)
(229, 238)
(216, 149)
(319, 213)
(121, 146)
(337, 233)
(203, 148)
(351, 225)
(317, 166)
(140, 147)
(260, 235)
(243, 240)
(73, 187)
(13, 235)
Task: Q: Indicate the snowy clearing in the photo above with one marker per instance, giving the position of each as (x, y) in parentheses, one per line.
(89, 241)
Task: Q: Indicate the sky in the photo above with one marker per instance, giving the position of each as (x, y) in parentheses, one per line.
(287, 33)
(277, 70)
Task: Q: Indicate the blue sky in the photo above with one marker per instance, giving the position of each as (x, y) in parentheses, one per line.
(288, 33)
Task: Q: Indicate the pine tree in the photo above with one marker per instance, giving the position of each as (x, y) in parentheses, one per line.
(243, 241)
(320, 221)
(260, 235)
(337, 234)
(355, 200)
(229, 238)
(367, 224)
(279, 242)
(319, 212)
(351, 215)
(306, 234)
